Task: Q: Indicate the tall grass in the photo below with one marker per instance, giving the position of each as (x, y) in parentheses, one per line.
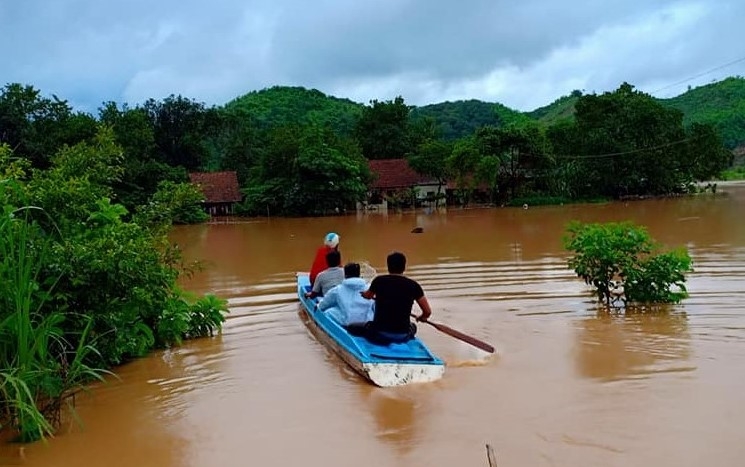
(39, 366)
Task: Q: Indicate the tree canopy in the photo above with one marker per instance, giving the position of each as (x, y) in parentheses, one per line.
(461, 118)
(300, 152)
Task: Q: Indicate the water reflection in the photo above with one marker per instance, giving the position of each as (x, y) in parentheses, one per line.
(396, 411)
(398, 414)
(142, 409)
(193, 367)
(632, 345)
(116, 417)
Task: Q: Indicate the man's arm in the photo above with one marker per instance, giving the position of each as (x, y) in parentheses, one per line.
(370, 292)
(316, 289)
(426, 310)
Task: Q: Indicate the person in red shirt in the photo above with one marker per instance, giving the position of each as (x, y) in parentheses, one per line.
(330, 242)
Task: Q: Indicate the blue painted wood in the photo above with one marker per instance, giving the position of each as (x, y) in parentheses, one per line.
(414, 351)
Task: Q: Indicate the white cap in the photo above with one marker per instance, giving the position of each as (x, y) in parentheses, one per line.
(331, 240)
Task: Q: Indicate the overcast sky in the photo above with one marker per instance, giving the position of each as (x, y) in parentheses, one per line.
(523, 54)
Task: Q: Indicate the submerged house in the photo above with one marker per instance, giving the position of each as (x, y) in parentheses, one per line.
(394, 181)
(221, 191)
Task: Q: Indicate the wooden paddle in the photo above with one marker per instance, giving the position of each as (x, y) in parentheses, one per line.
(459, 335)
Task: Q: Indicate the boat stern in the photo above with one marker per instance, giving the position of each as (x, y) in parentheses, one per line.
(399, 374)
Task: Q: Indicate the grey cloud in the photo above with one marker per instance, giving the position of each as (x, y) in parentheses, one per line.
(447, 39)
(520, 53)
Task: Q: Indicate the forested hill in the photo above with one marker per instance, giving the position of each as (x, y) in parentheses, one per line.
(561, 108)
(721, 104)
(461, 118)
(284, 105)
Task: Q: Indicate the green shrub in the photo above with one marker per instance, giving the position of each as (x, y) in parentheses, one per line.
(188, 317)
(622, 261)
(177, 203)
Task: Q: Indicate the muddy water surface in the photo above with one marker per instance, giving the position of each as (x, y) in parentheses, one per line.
(569, 386)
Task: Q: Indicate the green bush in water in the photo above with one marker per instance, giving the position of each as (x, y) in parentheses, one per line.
(613, 254)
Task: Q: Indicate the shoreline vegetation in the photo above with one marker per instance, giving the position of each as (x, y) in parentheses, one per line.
(88, 278)
(84, 285)
(299, 152)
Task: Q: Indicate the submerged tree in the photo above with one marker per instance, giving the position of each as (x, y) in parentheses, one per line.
(622, 261)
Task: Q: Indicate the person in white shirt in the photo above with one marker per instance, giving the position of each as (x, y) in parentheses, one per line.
(345, 303)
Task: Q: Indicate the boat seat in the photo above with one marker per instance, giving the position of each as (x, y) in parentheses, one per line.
(423, 358)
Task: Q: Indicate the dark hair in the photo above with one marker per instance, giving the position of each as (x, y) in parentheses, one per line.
(333, 258)
(396, 263)
(351, 270)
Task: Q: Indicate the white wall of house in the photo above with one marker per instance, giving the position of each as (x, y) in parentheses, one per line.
(422, 192)
(373, 207)
(427, 190)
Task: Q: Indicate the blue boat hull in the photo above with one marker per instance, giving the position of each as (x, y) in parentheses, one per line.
(383, 365)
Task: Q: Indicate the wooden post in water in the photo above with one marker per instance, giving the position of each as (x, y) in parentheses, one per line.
(491, 456)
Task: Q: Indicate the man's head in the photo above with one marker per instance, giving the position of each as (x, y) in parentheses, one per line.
(331, 240)
(396, 263)
(333, 258)
(351, 270)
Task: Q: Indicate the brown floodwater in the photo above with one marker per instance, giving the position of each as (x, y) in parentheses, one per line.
(568, 385)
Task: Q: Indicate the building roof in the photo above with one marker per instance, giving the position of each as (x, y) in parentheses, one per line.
(218, 187)
(396, 173)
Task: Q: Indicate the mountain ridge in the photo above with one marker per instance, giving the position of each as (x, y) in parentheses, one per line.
(721, 104)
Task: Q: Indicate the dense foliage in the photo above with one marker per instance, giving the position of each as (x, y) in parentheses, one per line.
(384, 130)
(624, 263)
(284, 106)
(625, 143)
(720, 104)
(81, 287)
(306, 171)
(35, 126)
(455, 120)
(301, 152)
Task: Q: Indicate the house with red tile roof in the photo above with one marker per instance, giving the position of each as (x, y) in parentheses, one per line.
(395, 179)
(221, 191)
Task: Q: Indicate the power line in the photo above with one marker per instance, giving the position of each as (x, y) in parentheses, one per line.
(624, 153)
(742, 59)
(612, 154)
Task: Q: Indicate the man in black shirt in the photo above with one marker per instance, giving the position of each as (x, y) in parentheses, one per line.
(394, 296)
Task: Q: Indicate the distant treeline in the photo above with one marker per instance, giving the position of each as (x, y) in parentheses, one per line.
(300, 152)
(721, 104)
